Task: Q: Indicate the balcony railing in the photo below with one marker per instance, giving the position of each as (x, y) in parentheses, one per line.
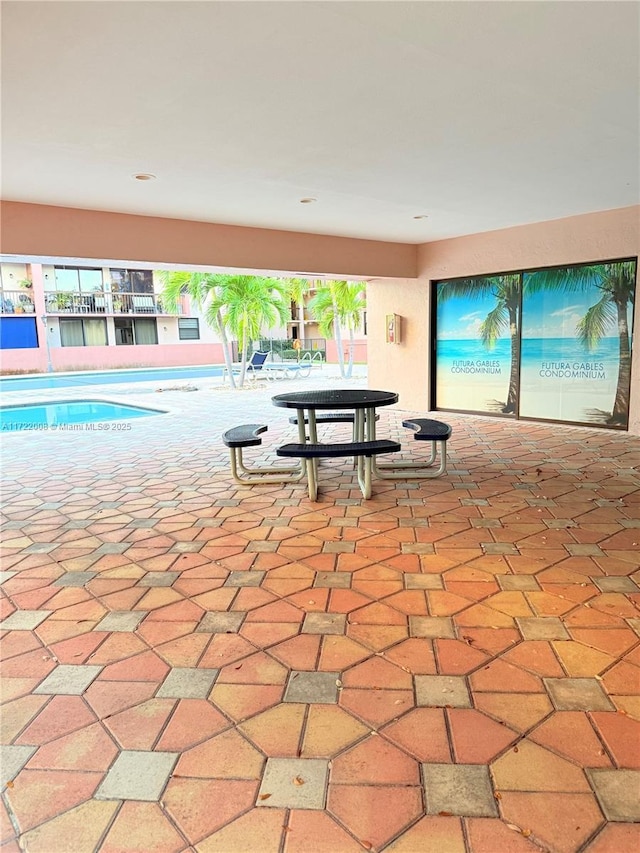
(16, 302)
(105, 303)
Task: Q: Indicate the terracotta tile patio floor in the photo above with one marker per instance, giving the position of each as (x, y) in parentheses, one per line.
(453, 665)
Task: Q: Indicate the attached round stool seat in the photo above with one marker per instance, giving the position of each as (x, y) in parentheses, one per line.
(246, 435)
(428, 430)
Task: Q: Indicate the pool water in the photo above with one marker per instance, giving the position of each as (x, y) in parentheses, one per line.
(69, 413)
(38, 381)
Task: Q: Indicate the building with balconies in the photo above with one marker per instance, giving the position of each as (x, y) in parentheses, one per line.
(66, 317)
(63, 317)
(304, 327)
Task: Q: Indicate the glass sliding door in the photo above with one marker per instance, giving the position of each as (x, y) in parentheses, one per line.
(95, 333)
(146, 331)
(477, 344)
(551, 344)
(71, 334)
(576, 343)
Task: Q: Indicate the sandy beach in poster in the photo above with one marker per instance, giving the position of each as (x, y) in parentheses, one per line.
(470, 378)
(557, 379)
(473, 392)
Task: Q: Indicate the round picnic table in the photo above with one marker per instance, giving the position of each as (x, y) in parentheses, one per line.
(362, 401)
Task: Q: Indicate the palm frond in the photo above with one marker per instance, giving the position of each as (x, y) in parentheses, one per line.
(496, 322)
(297, 288)
(321, 307)
(247, 305)
(481, 286)
(619, 280)
(591, 328)
(565, 280)
(176, 283)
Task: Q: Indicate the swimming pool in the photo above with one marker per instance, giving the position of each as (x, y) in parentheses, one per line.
(40, 381)
(67, 414)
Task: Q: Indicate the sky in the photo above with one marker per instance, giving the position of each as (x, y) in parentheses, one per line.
(545, 315)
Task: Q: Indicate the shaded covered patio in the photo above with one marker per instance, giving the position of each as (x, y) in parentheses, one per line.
(193, 665)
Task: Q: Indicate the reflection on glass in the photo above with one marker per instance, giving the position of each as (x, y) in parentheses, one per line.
(120, 281)
(142, 281)
(66, 279)
(73, 279)
(131, 281)
(90, 280)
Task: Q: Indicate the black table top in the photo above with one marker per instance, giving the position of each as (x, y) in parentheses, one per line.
(335, 399)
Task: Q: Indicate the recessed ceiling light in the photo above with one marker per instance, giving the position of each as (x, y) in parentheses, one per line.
(144, 176)
(307, 200)
(421, 216)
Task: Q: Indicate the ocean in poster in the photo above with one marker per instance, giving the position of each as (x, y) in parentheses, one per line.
(534, 351)
(558, 378)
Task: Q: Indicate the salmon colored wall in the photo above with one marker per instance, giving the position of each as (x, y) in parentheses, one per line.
(405, 367)
(104, 358)
(42, 230)
(359, 351)
(23, 360)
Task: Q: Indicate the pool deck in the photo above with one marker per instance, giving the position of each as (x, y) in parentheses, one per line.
(192, 665)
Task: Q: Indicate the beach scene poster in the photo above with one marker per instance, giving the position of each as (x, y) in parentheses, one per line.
(477, 344)
(576, 343)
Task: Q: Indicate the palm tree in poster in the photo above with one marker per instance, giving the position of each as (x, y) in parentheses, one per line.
(503, 317)
(616, 284)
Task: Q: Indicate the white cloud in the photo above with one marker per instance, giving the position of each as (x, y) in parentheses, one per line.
(562, 312)
(473, 328)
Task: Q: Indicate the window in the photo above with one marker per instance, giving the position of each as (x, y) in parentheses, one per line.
(83, 333)
(76, 279)
(145, 331)
(135, 331)
(552, 344)
(18, 333)
(131, 281)
(124, 332)
(189, 329)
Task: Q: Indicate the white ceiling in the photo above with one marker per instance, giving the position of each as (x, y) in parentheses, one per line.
(481, 115)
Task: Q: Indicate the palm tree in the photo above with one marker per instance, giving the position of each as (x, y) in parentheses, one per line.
(337, 304)
(352, 303)
(297, 289)
(247, 304)
(615, 282)
(199, 287)
(503, 317)
(240, 304)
